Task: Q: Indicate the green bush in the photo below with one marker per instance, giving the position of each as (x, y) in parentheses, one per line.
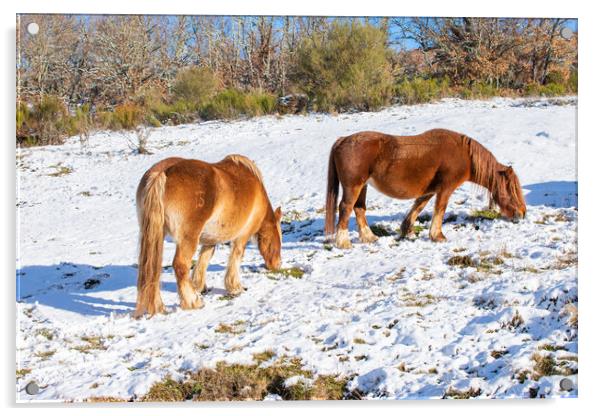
(23, 114)
(82, 120)
(226, 104)
(259, 103)
(232, 103)
(348, 67)
(553, 89)
(479, 89)
(554, 77)
(175, 113)
(47, 122)
(548, 90)
(194, 86)
(152, 121)
(127, 116)
(419, 90)
(573, 82)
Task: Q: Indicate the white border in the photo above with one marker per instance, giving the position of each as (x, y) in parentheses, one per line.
(589, 140)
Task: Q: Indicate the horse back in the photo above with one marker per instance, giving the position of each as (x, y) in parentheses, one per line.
(226, 197)
(403, 166)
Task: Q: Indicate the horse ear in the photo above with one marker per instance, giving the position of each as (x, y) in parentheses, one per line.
(506, 170)
(278, 214)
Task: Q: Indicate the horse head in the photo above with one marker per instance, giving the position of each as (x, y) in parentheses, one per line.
(269, 239)
(507, 193)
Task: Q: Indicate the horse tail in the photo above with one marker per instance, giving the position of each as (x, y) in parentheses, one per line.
(152, 219)
(332, 193)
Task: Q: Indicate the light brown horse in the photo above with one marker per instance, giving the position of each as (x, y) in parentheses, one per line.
(406, 167)
(195, 203)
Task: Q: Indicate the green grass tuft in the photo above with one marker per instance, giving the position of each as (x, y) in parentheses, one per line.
(380, 230)
(485, 214)
(60, 170)
(418, 229)
(294, 272)
(23, 372)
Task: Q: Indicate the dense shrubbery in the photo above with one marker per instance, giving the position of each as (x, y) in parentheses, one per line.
(233, 103)
(46, 122)
(194, 86)
(419, 90)
(194, 97)
(348, 67)
(343, 65)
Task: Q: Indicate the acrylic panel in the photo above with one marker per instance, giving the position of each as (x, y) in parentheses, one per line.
(346, 208)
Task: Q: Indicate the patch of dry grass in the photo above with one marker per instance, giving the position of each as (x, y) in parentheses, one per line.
(514, 323)
(452, 393)
(461, 261)
(571, 310)
(229, 382)
(22, 372)
(60, 170)
(91, 343)
(498, 353)
(418, 300)
(44, 355)
(261, 357)
(559, 217)
(546, 365)
(105, 399)
(234, 328)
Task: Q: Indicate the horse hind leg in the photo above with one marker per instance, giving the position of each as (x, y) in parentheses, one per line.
(435, 232)
(350, 195)
(200, 269)
(185, 249)
(410, 219)
(366, 234)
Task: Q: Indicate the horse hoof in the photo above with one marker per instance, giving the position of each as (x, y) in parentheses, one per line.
(195, 304)
(344, 245)
(439, 239)
(235, 291)
(368, 239)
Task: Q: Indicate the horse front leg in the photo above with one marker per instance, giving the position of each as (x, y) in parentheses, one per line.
(440, 206)
(410, 219)
(200, 269)
(232, 279)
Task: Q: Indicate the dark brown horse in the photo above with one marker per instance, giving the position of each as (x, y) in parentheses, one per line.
(406, 167)
(201, 203)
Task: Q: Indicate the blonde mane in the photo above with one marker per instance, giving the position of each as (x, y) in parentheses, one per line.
(246, 162)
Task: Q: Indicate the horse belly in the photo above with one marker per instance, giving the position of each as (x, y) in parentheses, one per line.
(392, 189)
(214, 232)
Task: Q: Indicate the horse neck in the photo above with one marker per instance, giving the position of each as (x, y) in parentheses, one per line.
(269, 220)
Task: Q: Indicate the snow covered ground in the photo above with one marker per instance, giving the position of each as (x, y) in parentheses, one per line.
(395, 316)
